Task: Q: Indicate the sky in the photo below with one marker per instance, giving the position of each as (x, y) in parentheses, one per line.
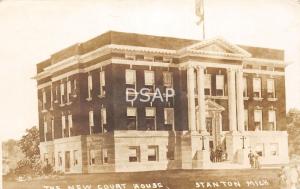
(32, 30)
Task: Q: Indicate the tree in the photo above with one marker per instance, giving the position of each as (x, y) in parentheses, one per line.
(29, 145)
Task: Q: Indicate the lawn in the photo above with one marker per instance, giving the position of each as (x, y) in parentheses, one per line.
(173, 179)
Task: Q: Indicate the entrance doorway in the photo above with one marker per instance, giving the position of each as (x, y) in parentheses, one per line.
(67, 161)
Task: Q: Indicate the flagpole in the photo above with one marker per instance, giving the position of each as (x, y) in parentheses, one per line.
(203, 26)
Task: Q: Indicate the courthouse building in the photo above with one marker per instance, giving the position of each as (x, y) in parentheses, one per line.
(105, 104)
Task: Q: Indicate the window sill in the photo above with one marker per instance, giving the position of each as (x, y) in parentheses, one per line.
(258, 98)
(69, 103)
(74, 96)
(216, 97)
(89, 99)
(55, 101)
(62, 105)
(101, 96)
(246, 98)
(272, 99)
(44, 111)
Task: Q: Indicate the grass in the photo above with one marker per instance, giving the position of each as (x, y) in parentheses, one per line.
(173, 179)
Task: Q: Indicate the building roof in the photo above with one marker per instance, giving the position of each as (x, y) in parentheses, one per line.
(141, 40)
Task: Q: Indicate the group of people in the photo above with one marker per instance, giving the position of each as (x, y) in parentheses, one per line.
(218, 154)
(254, 159)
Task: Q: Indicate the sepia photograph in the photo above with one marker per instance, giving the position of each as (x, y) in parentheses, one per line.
(150, 94)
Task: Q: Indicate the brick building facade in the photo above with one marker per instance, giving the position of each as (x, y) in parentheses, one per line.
(89, 122)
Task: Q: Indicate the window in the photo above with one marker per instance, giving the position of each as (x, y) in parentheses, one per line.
(103, 120)
(44, 99)
(220, 85)
(272, 120)
(274, 149)
(69, 90)
(102, 83)
(131, 118)
(62, 93)
(150, 118)
(76, 156)
(51, 97)
(207, 84)
(169, 118)
(149, 80)
(168, 79)
(209, 125)
(45, 128)
(70, 124)
(257, 87)
(59, 157)
(130, 77)
(152, 153)
(92, 157)
(46, 158)
(91, 121)
(258, 120)
(63, 125)
(271, 88)
(245, 88)
(149, 77)
(259, 149)
(104, 156)
(134, 154)
(90, 86)
(52, 127)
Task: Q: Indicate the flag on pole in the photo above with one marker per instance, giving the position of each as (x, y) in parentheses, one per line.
(199, 10)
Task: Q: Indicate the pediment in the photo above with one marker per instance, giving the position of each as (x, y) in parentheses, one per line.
(217, 47)
(213, 106)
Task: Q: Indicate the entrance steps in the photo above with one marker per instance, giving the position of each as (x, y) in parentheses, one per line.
(227, 165)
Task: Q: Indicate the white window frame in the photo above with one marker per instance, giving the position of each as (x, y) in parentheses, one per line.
(69, 90)
(136, 118)
(277, 149)
(103, 116)
(92, 156)
(52, 128)
(260, 117)
(104, 155)
(127, 81)
(151, 80)
(75, 157)
(70, 123)
(148, 110)
(156, 152)
(207, 83)
(270, 112)
(62, 92)
(271, 89)
(91, 121)
(220, 78)
(102, 83)
(258, 80)
(137, 153)
(63, 125)
(90, 86)
(165, 80)
(166, 116)
(44, 99)
(45, 128)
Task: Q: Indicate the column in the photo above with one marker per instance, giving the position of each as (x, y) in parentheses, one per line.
(240, 100)
(231, 99)
(201, 98)
(191, 98)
